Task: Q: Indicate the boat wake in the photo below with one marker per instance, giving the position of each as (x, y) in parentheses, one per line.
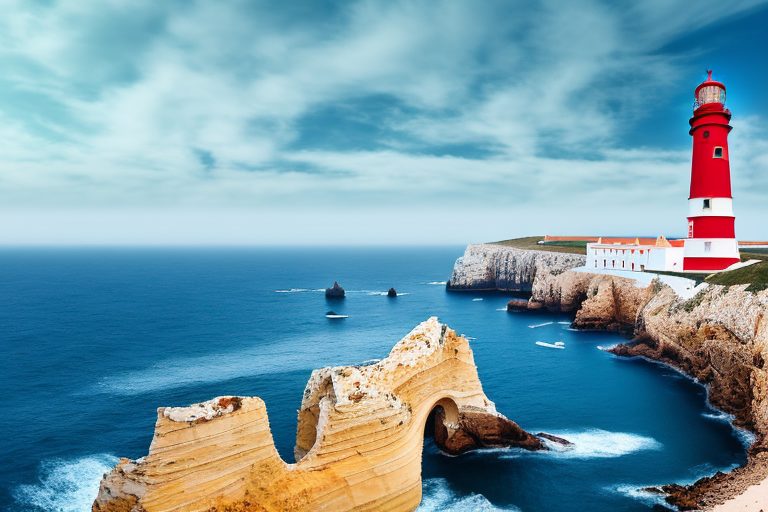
(536, 326)
(439, 497)
(65, 485)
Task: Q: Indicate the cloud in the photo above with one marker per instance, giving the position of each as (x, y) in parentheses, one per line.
(172, 107)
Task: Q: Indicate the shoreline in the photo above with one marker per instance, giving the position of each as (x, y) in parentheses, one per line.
(715, 335)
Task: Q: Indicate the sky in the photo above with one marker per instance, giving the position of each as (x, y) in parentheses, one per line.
(367, 122)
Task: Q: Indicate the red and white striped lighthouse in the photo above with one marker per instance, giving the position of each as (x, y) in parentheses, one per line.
(711, 244)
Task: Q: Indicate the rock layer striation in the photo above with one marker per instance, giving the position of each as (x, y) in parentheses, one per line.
(358, 444)
(498, 267)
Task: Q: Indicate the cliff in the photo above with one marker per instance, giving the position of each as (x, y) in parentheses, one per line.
(498, 267)
(718, 336)
(358, 444)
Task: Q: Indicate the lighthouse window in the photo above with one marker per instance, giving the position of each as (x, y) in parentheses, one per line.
(707, 246)
(707, 204)
(718, 152)
(706, 134)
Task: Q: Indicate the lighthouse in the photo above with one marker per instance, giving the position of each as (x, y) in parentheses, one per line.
(711, 244)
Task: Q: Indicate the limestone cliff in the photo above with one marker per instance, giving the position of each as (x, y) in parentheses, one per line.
(358, 444)
(498, 267)
(719, 337)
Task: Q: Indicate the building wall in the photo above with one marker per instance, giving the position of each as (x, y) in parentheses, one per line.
(634, 257)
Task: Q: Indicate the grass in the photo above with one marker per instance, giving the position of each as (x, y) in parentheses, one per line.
(756, 276)
(531, 243)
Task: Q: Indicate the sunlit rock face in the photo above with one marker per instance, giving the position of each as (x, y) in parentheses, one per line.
(497, 267)
(358, 444)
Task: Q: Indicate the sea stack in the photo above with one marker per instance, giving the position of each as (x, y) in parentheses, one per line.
(392, 293)
(335, 291)
(517, 305)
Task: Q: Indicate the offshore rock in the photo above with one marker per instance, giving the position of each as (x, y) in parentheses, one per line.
(358, 444)
(335, 291)
(391, 292)
(498, 267)
(518, 305)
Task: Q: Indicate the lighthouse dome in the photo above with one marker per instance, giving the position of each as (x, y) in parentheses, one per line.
(709, 91)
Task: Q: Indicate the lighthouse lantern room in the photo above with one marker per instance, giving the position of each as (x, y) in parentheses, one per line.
(711, 244)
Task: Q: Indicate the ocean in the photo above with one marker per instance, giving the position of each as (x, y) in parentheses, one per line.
(92, 341)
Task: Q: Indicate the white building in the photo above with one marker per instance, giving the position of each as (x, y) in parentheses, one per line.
(636, 254)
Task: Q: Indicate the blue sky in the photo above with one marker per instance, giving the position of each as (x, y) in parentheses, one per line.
(130, 122)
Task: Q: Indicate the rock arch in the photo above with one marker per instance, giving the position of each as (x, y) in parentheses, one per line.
(359, 439)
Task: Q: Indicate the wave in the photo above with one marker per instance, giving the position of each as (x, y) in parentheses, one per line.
(599, 444)
(66, 485)
(534, 326)
(477, 299)
(501, 309)
(437, 496)
(437, 283)
(262, 357)
(564, 323)
(383, 294)
(640, 494)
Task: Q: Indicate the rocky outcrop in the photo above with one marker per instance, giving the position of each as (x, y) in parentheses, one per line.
(392, 293)
(719, 337)
(335, 291)
(358, 443)
(499, 267)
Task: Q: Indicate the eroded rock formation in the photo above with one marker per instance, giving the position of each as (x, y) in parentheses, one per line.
(498, 267)
(719, 337)
(358, 444)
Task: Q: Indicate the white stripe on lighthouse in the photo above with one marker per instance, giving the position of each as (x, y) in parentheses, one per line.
(718, 207)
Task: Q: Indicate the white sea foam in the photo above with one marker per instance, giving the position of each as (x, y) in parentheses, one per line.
(477, 299)
(300, 290)
(501, 309)
(534, 326)
(564, 323)
(438, 283)
(606, 348)
(639, 493)
(66, 485)
(377, 293)
(597, 444)
(439, 497)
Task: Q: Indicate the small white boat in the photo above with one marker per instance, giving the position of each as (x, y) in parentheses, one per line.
(335, 316)
(557, 344)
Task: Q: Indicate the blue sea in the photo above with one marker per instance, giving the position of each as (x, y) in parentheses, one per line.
(92, 341)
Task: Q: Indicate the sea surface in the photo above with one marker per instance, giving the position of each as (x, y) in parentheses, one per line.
(92, 341)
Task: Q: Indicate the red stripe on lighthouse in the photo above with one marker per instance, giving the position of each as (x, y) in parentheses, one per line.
(712, 227)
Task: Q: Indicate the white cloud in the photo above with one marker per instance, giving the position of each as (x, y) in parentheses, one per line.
(549, 88)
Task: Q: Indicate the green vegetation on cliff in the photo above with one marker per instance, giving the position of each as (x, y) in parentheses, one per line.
(756, 276)
(531, 243)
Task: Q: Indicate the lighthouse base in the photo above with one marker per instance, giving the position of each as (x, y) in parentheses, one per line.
(707, 264)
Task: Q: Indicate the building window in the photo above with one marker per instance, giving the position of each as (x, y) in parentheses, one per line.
(707, 204)
(707, 246)
(690, 229)
(605, 263)
(595, 263)
(718, 152)
(613, 263)
(622, 263)
(633, 266)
